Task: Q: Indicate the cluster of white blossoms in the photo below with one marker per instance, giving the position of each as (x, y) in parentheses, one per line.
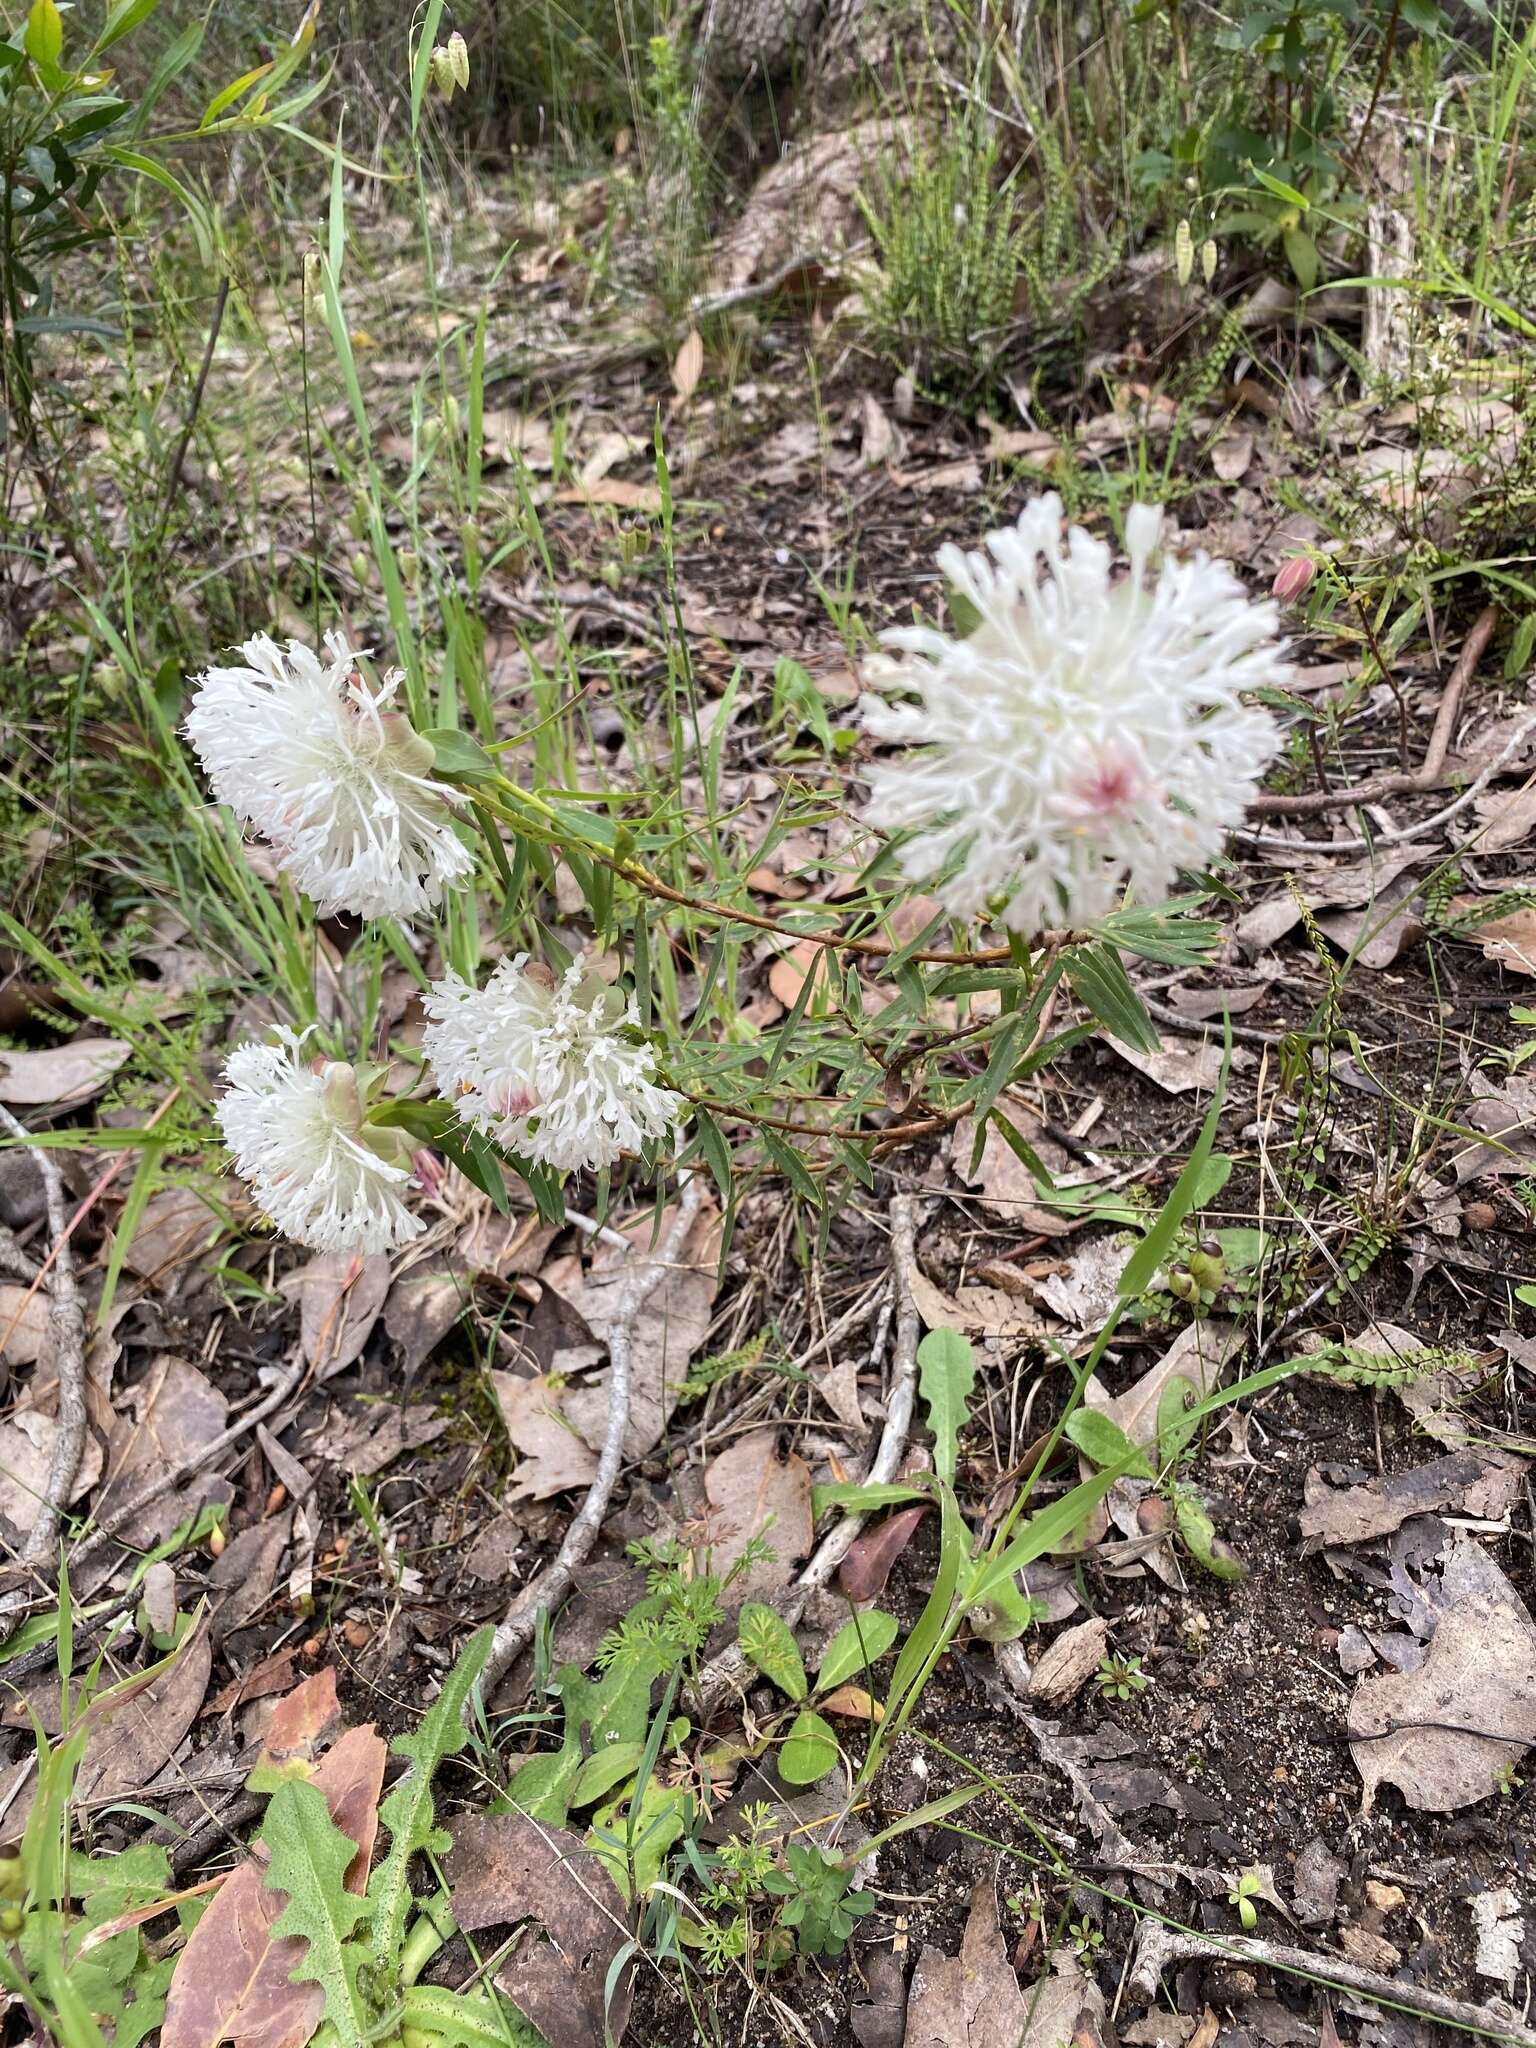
(543, 1066)
(1088, 734)
(333, 776)
(297, 1129)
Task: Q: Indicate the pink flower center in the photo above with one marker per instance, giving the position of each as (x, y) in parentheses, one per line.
(1110, 786)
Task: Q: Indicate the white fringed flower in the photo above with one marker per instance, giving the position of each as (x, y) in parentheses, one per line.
(319, 763)
(326, 1178)
(1087, 734)
(543, 1066)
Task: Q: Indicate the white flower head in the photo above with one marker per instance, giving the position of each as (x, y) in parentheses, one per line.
(1087, 734)
(544, 1067)
(326, 1178)
(320, 763)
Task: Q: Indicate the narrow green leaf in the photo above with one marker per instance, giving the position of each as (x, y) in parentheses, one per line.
(1097, 975)
(1154, 1247)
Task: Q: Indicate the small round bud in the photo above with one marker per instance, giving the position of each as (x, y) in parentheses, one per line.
(1293, 578)
(1183, 1283)
(12, 1921)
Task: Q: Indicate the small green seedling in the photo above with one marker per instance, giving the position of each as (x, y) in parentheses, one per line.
(819, 1905)
(1121, 1678)
(1242, 1896)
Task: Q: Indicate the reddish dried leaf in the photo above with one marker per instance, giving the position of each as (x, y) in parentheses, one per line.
(864, 1571)
(753, 1492)
(302, 1718)
(232, 1982)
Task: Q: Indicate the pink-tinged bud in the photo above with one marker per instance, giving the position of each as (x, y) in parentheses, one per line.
(428, 1170)
(1293, 578)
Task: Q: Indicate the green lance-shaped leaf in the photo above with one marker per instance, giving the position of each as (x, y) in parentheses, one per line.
(408, 1811)
(766, 1641)
(945, 1377)
(310, 1856)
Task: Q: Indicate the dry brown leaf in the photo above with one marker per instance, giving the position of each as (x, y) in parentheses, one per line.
(1376, 933)
(973, 2000)
(1232, 456)
(1085, 1293)
(1200, 1353)
(27, 1439)
(977, 1311)
(232, 1980)
(1423, 1730)
(60, 1073)
(1006, 1185)
(422, 1307)
(139, 1737)
(873, 1553)
(790, 972)
(1481, 1484)
(1506, 1114)
(504, 1868)
(552, 1456)
(613, 490)
(1177, 1068)
(24, 1313)
(173, 1413)
(852, 1703)
(963, 474)
(752, 1491)
(340, 1296)
(1507, 818)
(668, 1330)
(176, 1222)
(1511, 941)
(688, 366)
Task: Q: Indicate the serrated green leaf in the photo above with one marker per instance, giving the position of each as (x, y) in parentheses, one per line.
(860, 1640)
(809, 1750)
(461, 2019)
(1103, 1441)
(310, 1856)
(945, 1378)
(408, 1811)
(767, 1641)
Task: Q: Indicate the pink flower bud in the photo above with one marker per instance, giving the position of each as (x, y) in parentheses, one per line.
(1293, 578)
(428, 1170)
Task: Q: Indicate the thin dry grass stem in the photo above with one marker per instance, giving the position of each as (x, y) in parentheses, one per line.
(728, 1671)
(66, 1325)
(1157, 1946)
(1398, 783)
(552, 1585)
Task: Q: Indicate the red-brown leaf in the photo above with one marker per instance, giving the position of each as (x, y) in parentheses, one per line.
(864, 1571)
(232, 1981)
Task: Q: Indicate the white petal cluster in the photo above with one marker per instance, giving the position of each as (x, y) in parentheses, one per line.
(326, 770)
(1088, 733)
(544, 1067)
(326, 1179)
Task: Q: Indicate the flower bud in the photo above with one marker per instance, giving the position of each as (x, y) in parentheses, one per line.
(451, 415)
(469, 541)
(312, 276)
(440, 65)
(458, 60)
(1183, 252)
(1182, 1283)
(1293, 578)
(1208, 254)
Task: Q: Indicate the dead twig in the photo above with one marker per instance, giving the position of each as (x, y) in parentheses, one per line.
(188, 1467)
(66, 1325)
(1398, 784)
(1157, 1946)
(552, 1585)
(729, 1669)
(1274, 842)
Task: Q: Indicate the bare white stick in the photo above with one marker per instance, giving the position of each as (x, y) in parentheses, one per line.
(551, 1586)
(1157, 1946)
